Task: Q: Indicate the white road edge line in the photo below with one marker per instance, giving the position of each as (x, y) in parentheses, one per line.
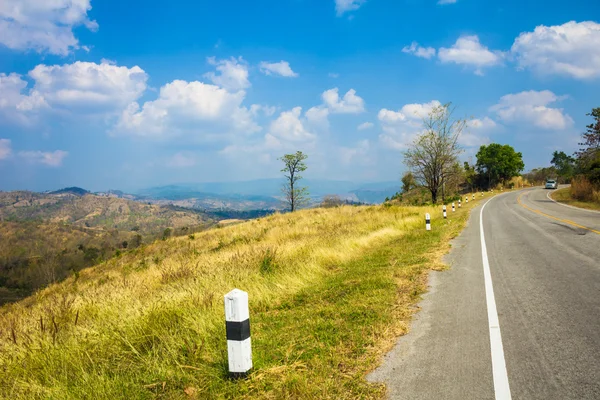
(566, 205)
(501, 386)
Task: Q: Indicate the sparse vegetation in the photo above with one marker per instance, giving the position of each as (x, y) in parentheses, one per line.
(330, 290)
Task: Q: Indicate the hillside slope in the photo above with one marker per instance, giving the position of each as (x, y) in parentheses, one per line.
(45, 237)
(329, 291)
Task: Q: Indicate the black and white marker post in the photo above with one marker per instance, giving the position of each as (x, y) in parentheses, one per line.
(444, 210)
(467, 199)
(474, 195)
(237, 323)
(453, 208)
(459, 204)
(427, 222)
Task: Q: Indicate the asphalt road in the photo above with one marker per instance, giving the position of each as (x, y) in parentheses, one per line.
(544, 260)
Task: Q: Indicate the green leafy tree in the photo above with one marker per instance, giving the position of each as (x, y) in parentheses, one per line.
(497, 163)
(588, 157)
(294, 195)
(434, 153)
(564, 164)
(408, 182)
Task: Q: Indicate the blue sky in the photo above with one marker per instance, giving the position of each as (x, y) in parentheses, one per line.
(133, 94)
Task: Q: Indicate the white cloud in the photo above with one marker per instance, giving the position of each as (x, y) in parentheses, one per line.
(419, 51)
(203, 110)
(443, 2)
(476, 132)
(288, 126)
(357, 154)
(349, 104)
(468, 51)
(532, 107)
(281, 68)
(5, 149)
(268, 111)
(401, 127)
(344, 6)
(409, 112)
(318, 117)
(43, 25)
(232, 74)
(51, 159)
(571, 49)
(85, 86)
(182, 160)
(334, 75)
(365, 126)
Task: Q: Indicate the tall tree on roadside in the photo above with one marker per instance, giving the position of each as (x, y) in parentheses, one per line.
(434, 153)
(497, 163)
(295, 196)
(564, 164)
(588, 157)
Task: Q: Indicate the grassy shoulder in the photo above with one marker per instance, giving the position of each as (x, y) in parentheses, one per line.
(330, 290)
(564, 196)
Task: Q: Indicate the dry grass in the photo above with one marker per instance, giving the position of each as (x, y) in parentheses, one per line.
(330, 290)
(565, 196)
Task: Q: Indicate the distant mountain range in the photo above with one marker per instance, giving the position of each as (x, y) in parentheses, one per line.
(261, 194)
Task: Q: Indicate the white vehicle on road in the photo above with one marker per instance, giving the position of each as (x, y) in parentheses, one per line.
(551, 184)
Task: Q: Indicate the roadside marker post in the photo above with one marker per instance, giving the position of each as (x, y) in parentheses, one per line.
(237, 324)
(444, 210)
(467, 199)
(453, 208)
(427, 222)
(473, 196)
(459, 204)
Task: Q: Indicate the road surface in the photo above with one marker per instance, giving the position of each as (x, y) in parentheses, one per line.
(544, 260)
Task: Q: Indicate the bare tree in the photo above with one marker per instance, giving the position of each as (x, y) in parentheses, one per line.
(434, 153)
(295, 196)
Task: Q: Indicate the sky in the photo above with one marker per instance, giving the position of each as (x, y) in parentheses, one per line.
(131, 94)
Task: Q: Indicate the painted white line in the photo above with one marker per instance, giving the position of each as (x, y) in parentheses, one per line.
(501, 386)
(566, 205)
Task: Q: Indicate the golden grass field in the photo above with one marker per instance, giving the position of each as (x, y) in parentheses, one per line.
(564, 196)
(330, 290)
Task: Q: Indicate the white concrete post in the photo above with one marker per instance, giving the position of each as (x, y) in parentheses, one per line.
(427, 222)
(459, 204)
(467, 199)
(444, 210)
(453, 208)
(237, 323)
(474, 196)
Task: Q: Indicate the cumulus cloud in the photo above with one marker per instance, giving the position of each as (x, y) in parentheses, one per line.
(318, 117)
(531, 107)
(203, 110)
(401, 127)
(365, 126)
(571, 49)
(476, 132)
(419, 51)
(288, 126)
(231, 74)
(5, 149)
(469, 51)
(43, 25)
(356, 154)
(281, 68)
(344, 6)
(349, 104)
(413, 113)
(51, 159)
(86, 86)
(256, 109)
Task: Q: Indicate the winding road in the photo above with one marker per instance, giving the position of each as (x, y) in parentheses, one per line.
(526, 328)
